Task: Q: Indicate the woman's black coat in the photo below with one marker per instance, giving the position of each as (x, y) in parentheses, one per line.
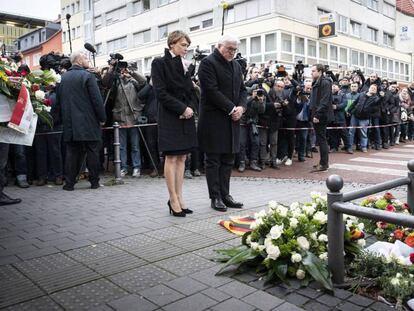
(222, 89)
(175, 92)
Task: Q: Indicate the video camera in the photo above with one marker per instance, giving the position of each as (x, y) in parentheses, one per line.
(116, 58)
(199, 55)
(299, 70)
(54, 61)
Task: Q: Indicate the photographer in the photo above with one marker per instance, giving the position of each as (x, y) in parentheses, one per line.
(302, 121)
(270, 121)
(249, 134)
(127, 109)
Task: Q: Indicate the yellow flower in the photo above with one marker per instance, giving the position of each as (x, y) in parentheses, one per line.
(3, 76)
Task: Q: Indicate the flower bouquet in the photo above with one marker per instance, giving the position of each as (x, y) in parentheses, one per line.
(385, 231)
(13, 79)
(291, 242)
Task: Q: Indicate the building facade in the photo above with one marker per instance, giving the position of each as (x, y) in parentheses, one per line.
(283, 30)
(13, 26)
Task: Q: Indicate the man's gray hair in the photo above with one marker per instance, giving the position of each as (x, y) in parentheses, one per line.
(75, 55)
(228, 39)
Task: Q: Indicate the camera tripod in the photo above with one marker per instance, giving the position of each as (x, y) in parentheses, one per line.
(117, 81)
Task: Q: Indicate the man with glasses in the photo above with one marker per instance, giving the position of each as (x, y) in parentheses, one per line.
(223, 102)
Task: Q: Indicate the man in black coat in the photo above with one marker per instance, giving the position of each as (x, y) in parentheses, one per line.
(223, 102)
(321, 113)
(82, 110)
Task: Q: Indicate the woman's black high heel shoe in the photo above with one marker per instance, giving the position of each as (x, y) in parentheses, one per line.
(174, 213)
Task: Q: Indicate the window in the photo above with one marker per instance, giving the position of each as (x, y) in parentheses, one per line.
(355, 29)
(388, 39)
(77, 7)
(299, 46)
(36, 59)
(140, 6)
(354, 58)
(164, 2)
(147, 64)
(31, 40)
(98, 48)
(78, 34)
(343, 24)
(250, 9)
(63, 12)
(98, 22)
(117, 44)
(200, 21)
(229, 16)
(286, 43)
(323, 50)
(388, 10)
(373, 4)
(64, 36)
(242, 47)
(256, 49)
(142, 37)
(343, 55)
(333, 53)
(372, 34)
(116, 15)
(370, 61)
(87, 31)
(391, 68)
(384, 67)
(270, 46)
(43, 36)
(73, 33)
(377, 63)
(311, 48)
(72, 8)
(88, 5)
(164, 30)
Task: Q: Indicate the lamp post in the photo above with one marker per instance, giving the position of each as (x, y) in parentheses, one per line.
(68, 16)
(225, 7)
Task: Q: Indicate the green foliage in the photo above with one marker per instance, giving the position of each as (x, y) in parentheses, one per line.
(318, 270)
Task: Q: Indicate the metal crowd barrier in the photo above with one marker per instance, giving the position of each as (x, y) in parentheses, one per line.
(338, 204)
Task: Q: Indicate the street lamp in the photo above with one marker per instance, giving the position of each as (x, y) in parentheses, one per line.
(225, 7)
(68, 16)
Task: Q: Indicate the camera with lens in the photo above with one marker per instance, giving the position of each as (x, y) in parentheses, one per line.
(299, 70)
(116, 60)
(200, 54)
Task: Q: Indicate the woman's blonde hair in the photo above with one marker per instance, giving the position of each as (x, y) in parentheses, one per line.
(176, 36)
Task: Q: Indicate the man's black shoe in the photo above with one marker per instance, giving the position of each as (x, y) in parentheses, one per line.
(95, 185)
(68, 187)
(229, 202)
(6, 200)
(218, 205)
(319, 168)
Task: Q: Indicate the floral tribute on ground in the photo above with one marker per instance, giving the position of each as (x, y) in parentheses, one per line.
(291, 242)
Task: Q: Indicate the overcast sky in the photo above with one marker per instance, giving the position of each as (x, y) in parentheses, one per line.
(44, 9)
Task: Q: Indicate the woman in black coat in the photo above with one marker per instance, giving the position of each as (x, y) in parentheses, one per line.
(176, 127)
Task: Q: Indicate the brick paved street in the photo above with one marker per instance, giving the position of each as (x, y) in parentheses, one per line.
(116, 248)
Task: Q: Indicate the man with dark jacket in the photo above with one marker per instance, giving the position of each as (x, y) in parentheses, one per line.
(82, 112)
(389, 105)
(223, 102)
(321, 113)
(373, 79)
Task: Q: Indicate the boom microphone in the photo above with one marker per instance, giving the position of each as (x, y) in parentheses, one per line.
(89, 47)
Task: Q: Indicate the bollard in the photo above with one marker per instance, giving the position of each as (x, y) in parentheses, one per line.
(117, 155)
(410, 186)
(336, 262)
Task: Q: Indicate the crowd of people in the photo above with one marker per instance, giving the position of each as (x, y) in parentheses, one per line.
(209, 117)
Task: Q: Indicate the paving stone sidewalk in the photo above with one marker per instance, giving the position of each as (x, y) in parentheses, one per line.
(116, 248)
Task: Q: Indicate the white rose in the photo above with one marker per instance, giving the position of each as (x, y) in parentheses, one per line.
(294, 205)
(276, 232)
(48, 108)
(249, 239)
(308, 209)
(303, 243)
(253, 225)
(272, 251)
(323, 256)
(321, 217)
(313, 236)
(272, 204)
(282, 211)
(296, 258)
(260, 214)
(261, 248)
(323, 238)
(254, 245)
(268, 241)
(398, 275)
(293, 223)
(40, 95)
(349, 223)
(296, 213)
(361, 226)
(395, 281)
(300, 274)
(361, 242)
(259, 221)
